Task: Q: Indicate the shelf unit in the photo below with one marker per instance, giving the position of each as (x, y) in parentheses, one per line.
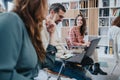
(108, 10)
(87, 8)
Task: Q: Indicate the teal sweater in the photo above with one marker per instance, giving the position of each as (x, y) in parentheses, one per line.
(18, 59)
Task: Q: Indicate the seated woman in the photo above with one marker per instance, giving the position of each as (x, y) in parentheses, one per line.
(76, 36)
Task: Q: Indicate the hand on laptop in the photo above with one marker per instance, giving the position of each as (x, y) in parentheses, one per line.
(87, 44)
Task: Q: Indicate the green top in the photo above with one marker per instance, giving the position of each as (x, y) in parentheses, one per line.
(18, 59)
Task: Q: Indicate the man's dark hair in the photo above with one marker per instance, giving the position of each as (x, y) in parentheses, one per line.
(56, 7)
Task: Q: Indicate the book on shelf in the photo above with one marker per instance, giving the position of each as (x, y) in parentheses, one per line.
(104, 12)
(72, 21)
(83, 4)
(66, 5)
(105, 3)
(104, 22)
(84, 12)
(65, 22)
(74, 5)
(115, 11)
(93, 3)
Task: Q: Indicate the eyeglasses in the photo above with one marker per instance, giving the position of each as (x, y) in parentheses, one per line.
(61, 16)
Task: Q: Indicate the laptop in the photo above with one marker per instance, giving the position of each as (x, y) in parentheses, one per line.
(77, 58)
(93, 45)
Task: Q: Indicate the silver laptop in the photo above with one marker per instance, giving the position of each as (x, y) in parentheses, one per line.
(93, 45)
(77, 58)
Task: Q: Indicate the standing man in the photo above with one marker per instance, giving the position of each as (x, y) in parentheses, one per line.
(56, 15)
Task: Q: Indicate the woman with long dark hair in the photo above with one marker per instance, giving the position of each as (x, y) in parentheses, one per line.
(76, 35)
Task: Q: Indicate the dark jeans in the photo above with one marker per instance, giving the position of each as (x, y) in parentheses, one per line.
(71, 70)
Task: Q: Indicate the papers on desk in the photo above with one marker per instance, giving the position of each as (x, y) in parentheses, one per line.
(66, 56)
(70, 53)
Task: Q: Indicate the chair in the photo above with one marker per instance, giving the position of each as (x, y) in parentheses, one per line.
(116, 53)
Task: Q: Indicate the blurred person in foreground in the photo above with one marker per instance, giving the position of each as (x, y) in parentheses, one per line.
(22, 54)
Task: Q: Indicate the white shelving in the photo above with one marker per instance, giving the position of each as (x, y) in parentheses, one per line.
(108, 10)
(74, 7)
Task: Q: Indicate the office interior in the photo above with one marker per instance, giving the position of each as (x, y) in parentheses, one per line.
(99, 15)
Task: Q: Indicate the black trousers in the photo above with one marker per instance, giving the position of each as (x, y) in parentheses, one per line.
(87, 61)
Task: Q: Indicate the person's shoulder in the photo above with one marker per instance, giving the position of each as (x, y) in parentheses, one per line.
(10, 20)
(114, 27)
(9, 15)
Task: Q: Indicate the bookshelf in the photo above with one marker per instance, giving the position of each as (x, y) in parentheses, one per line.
(87, 8)
(75, 7)
(108, 10)
(104, 12)
(72, 8)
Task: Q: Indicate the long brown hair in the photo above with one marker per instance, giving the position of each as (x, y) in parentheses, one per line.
(83, 27)
(116, 22)
(32, 12)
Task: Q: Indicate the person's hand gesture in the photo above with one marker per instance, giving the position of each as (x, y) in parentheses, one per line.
(50, 24)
